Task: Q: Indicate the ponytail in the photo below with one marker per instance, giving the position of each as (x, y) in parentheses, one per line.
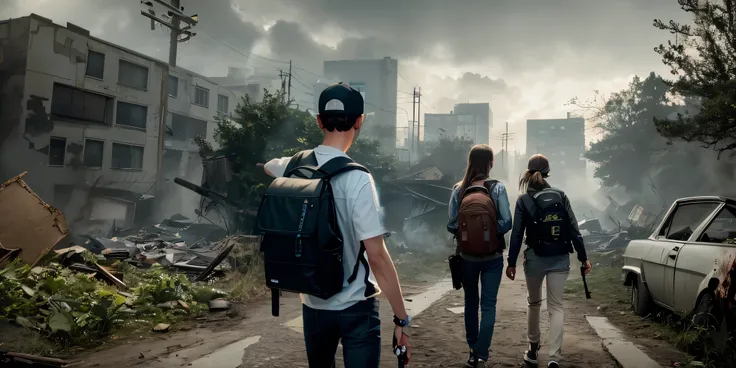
(531, 178)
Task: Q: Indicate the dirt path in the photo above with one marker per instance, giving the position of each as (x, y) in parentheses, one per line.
(261, 340)
(439, 337)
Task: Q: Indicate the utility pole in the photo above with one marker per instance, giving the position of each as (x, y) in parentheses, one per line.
(419, 114)
(282, 76)
(505, 145)
(414, 143)
(288, 94)
(173, 19)
(506, 149)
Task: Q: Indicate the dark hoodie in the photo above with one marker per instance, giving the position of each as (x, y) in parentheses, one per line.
(522, 218)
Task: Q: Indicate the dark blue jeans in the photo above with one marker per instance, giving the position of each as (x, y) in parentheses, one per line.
(489, 274)
(359, 328)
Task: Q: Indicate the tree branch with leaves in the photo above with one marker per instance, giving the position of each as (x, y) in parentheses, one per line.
(703, 61)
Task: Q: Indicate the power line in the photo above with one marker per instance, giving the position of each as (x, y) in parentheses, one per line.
(296, 67)
(305, 86)
(244, 53)
(404, 79)
(429, 107)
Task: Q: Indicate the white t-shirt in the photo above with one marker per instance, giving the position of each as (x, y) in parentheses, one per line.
(359, 218)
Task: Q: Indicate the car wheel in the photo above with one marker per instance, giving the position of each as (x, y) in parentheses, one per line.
(640, 298)
(707, 316)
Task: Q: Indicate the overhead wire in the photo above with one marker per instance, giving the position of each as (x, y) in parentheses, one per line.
(296, 67)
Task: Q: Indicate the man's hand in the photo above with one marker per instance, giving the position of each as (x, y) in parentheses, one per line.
(260, 164)
(511, 272)
(403, 341)
(588, 267)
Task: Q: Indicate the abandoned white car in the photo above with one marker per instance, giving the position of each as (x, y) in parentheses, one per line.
(688, 263)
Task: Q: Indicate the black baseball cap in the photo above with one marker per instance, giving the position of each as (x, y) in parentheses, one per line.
(340, 99)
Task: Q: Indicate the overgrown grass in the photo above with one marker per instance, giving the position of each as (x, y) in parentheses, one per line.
(603, 281)
(417, 265)
(607, 288)
(246, 281)
(52, 309)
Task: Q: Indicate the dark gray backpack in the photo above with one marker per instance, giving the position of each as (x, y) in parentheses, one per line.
(300, 237)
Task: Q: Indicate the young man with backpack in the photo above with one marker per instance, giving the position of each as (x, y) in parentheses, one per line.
(322, 234)
(544, 214)
(479, 217)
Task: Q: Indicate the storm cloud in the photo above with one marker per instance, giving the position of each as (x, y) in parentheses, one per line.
(527, 58)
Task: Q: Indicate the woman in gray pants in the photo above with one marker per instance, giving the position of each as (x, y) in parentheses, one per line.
(545, 215)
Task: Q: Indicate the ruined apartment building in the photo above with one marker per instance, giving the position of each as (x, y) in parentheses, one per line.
(377, 81)
(83, 117)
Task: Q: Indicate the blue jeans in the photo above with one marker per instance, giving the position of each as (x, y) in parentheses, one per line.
(489, 273)
(359, 328)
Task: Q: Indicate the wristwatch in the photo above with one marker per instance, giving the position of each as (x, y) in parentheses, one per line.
(402, 322)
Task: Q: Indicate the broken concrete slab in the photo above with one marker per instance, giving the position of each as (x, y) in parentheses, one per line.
(230, 356)
(219, 305)
(29, 223)
(614, 341)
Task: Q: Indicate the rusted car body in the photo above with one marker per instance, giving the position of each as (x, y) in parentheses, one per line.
(688, 264)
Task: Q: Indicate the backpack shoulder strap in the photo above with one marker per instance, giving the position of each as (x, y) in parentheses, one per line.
(490, 184)
(339, 165)
(302, 158)
(529, 203)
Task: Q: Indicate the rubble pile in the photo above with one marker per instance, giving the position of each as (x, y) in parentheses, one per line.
(599, 240)
(177, 243)
(72, 308)
(73, 288)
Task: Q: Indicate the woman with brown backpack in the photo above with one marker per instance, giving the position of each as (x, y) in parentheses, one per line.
(479, 217)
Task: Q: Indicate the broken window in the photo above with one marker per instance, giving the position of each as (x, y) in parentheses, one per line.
(95, 64)
(57, 150)
(222, 105)
(93, 151)
(686, 219)
(125, 156)
(173, 86)
(132, 115)
(722, 228)
(187, 128)
(201, 96)
(133, 75)
(75, 103)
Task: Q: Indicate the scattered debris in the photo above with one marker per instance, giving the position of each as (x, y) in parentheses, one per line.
(219, 305)
(34, 228)
(11, 359)
(91, 284)
(162, 327)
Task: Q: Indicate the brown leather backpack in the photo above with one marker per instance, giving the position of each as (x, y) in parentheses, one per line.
(477, 232)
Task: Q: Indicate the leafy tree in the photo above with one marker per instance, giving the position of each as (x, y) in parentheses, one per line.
(630, 145)
(703, 59)
(260, 131)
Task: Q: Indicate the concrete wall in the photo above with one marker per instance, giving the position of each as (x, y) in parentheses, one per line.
(563, 142)
(13, 51)
(482, 112)
(59, 55)
(380, 80)
(181, 158)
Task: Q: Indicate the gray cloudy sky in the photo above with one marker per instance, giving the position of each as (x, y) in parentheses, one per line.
(526, 57)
